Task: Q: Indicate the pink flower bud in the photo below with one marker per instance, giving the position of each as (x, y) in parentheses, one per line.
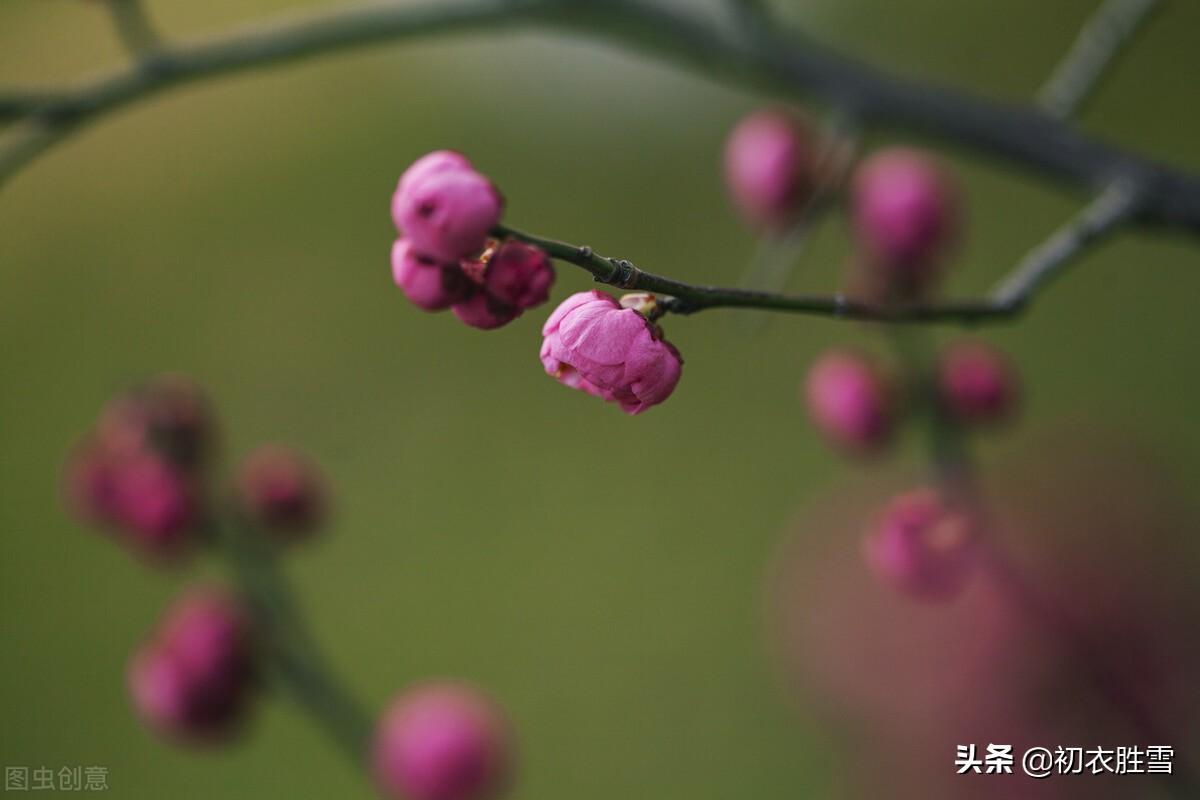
(151, 504)
(281, 490)
(849, 401)
(442, 741)
(428, 284)
(615, 353)
(922, 547)
(191, 682)
(905, 213)
(770, 168)
(519, 275)
(515, 277)
(446, 209)
(168, 415)
(976, 382)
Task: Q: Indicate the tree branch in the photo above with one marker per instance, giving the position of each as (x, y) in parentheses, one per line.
(1011, 297)
(1097, 46)
(786, 63)
(133, 25)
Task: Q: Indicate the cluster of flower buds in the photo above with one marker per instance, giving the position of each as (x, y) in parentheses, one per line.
(141, 473)
(905, 212)
(445, 258)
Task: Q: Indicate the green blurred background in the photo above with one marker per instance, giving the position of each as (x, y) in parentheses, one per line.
(602, 575)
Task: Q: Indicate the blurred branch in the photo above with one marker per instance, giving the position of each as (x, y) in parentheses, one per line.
(1096, 47)
(764, 57)
(948, 452)
(1007, 300)
(133, 25)
(289, 651)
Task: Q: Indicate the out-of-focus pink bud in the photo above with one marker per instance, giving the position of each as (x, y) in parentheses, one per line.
(150, 503)
(483, 311)
(445, 208)
(850, 401)
(906, 214)
(442, 741)
(169, 415)
(428, 284)
(922, 546)
(191, 682)
(770, 168)
(592, 344)
(282, 491)
(976, 382)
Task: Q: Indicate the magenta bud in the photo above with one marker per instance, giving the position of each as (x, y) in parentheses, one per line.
(281, 490)
(850, 401)
(905, 213)
(442, 741)
(770, 168)
(169, 415)
(428, 284)
(922, 547)
(445, 209)
(150, 503)
(976, 383)
(191, 682)
(510, 278)
(593, 344)
(483, 311)
(519, 275)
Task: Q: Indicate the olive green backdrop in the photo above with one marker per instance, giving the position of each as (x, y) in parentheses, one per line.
(602, 575)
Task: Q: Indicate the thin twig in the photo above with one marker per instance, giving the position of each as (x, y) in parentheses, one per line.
(1009, 299)
(1096, 48)
(293, 656)
(783, 62)
(133, 25)
(1112, 207)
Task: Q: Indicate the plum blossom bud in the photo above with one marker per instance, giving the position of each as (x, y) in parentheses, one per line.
(976, 382)
(169, 415)
(149, 503)
(191, 682)
(442, 741)
(513, 277)
(850, 401)
(592, 344)
(905, 213)
(922, 546)
(771, 168)
(428, 284)
(282, 491)
(445, 208)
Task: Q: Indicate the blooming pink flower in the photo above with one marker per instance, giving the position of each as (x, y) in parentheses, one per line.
(281, 490)
(192, 680)
(442, 741)
(427, 283)
(976, 382)
(849, 401)
(770, 168)
(922, 546)
(905, 213)
(593, 344)
(445, 208)
(515, 277)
